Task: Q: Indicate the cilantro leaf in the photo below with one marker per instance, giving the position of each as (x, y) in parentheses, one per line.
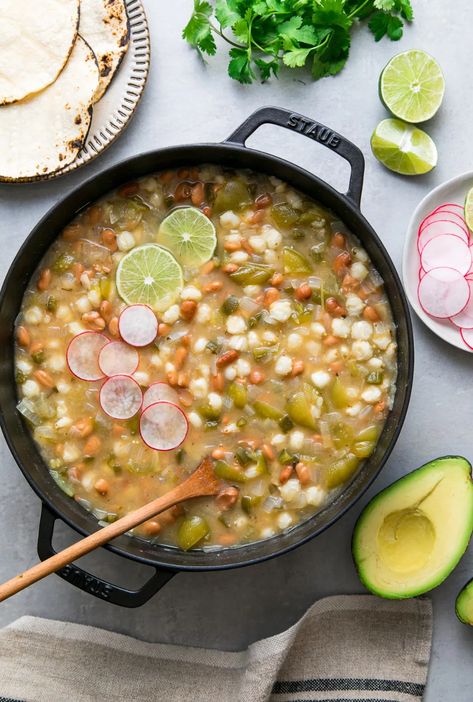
(404, 7)
(224, 13)
(267, 67)
(386, 5)
(382, 24)
(296, 57)
(198, 32)
(265, 34)
(239, 67)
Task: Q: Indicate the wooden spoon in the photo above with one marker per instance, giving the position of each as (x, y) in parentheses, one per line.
(200, 483)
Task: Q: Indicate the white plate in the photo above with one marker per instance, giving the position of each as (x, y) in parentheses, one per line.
(453, 190)
(114, 111)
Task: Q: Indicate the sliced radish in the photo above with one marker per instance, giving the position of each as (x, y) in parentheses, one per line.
(138, 325)
(446, 250)
(467, 336)
(465, 318)
(159, 392)
(440, 215)
(438, 228)
(117, 358)
(448, 205)
(443, 292)
(120, 397)
(82, 355)
(421, 273)
(163, 426)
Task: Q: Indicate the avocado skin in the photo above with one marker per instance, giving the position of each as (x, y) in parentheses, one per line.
(463, 599)
(373, 504)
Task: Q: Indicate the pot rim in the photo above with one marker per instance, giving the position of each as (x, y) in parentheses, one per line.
(187, 154)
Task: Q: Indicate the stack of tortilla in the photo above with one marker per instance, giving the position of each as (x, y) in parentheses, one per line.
(57, 59)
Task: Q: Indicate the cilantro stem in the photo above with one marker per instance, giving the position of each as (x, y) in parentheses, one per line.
(354, 12)
(219, 31)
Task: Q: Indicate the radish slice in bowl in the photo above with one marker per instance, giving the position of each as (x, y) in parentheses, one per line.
(82, 355)
(443, 292)
(464, 319)
(159, 392)
(138, 325)
(446, 250)
(467, 336)
(440, 215)
(438, 228)
(163, 426)
(117, 358)
(120, 397)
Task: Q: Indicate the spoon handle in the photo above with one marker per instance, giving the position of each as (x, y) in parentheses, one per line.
(201, 482)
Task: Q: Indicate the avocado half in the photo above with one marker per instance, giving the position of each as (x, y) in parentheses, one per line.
(411, 536)
(464, 604)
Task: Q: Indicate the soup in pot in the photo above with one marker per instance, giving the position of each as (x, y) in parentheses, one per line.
(206, 311)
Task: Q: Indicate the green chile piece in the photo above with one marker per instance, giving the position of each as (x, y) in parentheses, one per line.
(191, 531)
(239, 394)
(252, 274)
(233, 196)
(267, 411)
(299, 410)
(227, 472)
(295, 262)
(341, 470)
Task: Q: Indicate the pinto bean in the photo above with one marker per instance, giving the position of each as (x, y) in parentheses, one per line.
(82, 428)
(303, 292)
(44, 280)
(198, 194)
(257, 377)
(23, 336)
(270, 296)
(370, 314)
(338, 240)
(277, 280)
(208, 267)
(264, 200)
(341, 262)
(268, 452)
(218, 382)
(227, 498)
(152, 527)
(226, 358)
(102, 486)
(188, 309)
(109, 239)
(298, 367)
(92, 446)
(218, 453)
(128, 190)
(285, 474)
(113, 327)
(180, 357)
(303, 473)
(44, 378)
(212, 287)
(106, 310)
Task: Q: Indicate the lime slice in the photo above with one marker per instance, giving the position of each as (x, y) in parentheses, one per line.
(149, 275)
(403, 148)
(469, 209)
(189, 235)
(412, 86)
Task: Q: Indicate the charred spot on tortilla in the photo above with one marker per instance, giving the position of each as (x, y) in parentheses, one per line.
(35, 46)
(29, 146)
(105, 25)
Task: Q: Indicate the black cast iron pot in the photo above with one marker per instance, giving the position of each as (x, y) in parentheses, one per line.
(232, 153)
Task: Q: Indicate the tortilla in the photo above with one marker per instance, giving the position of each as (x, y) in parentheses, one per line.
(36, 39)
(45, 132)
(104, 25)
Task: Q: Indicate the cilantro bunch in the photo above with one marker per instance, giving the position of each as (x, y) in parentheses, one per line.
(264, 34)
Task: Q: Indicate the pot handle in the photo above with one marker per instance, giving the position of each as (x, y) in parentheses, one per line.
(91, 583)
(313, 130)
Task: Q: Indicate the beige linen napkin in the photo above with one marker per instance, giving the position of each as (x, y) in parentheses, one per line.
(344, 648)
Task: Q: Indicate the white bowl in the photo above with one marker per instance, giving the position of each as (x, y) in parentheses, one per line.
(453, 190)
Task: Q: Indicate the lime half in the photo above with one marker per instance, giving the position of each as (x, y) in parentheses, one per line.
(189, 235)
(469, 209)
(403, 148)
(149, 275)
(412, 86)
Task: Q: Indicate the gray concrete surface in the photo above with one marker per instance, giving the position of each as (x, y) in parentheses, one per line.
(184, 102)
